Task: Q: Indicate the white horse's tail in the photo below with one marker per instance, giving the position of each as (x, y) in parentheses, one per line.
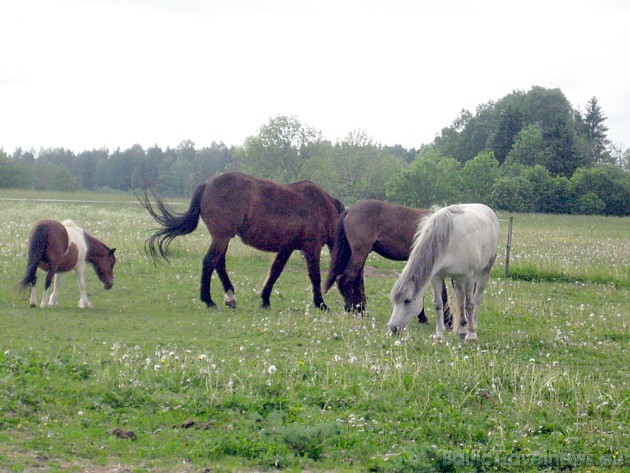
(430, 242)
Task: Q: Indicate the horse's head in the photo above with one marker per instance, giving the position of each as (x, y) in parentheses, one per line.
(407, 304)
(104, 267)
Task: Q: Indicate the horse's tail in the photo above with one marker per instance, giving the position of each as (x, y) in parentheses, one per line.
(174, 224)
(37, 243)
(430, 243)
(340, 254)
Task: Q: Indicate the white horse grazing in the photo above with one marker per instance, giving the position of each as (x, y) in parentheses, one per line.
(459, 242)
(57, 247)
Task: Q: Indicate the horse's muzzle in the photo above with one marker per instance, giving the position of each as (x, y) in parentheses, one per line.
(394, 329)
(108, 285)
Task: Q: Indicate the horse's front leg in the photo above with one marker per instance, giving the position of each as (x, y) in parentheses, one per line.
(84, 303)
(312, 263)
(350, 283)
(274, 273)
(437, 283)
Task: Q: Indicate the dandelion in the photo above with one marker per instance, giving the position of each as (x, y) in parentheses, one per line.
(272, 369)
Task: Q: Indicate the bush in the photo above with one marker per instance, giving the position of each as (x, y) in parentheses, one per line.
(514, 195)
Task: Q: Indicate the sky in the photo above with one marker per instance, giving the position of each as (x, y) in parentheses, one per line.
(92, 74)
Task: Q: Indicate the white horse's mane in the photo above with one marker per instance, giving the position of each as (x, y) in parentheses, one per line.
(430, 241)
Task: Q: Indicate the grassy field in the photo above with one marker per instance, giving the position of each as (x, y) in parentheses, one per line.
(296, 389)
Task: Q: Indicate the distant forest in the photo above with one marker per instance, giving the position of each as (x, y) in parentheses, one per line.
(528, 152)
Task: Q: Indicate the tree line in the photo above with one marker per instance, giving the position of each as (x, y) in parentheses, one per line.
(528, 152)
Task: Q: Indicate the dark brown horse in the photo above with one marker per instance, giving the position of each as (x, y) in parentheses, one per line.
(279, 218)
(58, 247)
(370, 225)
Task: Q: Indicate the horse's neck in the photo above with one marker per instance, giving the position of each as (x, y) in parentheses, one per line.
(95, 247)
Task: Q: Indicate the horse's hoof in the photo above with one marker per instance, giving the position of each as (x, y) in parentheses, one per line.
(323, 307)
(231, 304)
(471, 337)
(33, 305)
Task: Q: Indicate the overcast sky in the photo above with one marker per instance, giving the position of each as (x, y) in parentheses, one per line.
(85, 74)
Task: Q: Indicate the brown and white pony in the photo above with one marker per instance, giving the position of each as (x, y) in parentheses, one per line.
(58, 247)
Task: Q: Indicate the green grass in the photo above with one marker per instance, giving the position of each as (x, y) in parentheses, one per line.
(296, 389)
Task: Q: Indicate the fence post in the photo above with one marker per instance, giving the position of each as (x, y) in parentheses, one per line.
(508, 246)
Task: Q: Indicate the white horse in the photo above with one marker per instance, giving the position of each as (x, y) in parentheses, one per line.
(57, 247)
(459, 242)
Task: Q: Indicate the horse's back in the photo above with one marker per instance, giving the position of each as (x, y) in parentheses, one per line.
(267, 215)
(383, 227)
(475, 235)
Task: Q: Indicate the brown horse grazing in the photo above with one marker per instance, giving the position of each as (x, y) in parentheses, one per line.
(59, 247)
(371, 225)
(279, 218)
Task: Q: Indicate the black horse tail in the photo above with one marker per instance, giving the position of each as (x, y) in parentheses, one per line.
(340, 255)
(174, 224)
(36, 251)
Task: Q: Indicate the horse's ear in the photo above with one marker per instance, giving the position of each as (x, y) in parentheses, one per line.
(112, 251)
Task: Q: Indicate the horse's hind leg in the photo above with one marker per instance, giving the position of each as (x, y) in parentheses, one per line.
(216, 251)
(360, 290)
(49, 279)
(33, 299)
(228, 288)
(473, 308)
(274, 274)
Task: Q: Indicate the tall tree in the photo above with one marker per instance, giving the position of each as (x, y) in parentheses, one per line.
(279, 149)
(594, 120)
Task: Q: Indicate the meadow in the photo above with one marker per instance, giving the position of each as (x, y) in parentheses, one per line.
(151, 380)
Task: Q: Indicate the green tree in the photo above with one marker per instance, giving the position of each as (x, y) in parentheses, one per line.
(279, 149)
(529, 147)
(549, 194)
(608, 183)
(430, 180)
(510, 119)
(512, 194)
(479, 176)
(13, 174)
(594, 120)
